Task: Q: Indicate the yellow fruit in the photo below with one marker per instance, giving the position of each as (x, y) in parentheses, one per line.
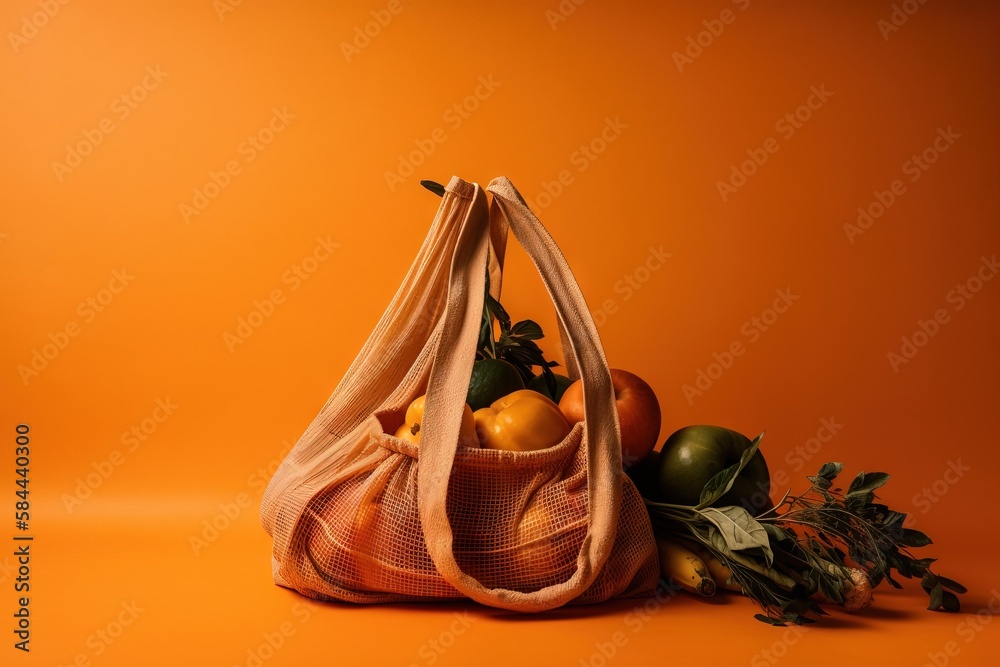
(684, 567)
(521, 421)
(721, 574)
(410, 429)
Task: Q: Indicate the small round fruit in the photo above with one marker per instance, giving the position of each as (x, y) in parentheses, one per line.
(545, 553)
(694, 454)
(538, 384)
(491, 380)
(638, 413)
(410, 429)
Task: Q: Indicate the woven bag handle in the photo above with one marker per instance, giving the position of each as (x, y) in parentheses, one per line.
(447, 388)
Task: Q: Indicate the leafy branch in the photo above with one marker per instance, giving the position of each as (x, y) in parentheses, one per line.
(516, 344)
(823, 545)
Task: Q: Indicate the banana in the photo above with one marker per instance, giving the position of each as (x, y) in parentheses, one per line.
(684, 567)
(720, 573)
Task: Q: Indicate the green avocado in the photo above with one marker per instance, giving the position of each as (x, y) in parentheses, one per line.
(694, 454)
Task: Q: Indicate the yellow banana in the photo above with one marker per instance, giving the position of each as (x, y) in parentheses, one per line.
(684, 567)
(720, 573)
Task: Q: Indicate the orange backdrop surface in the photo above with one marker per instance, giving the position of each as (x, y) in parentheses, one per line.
(812, 186)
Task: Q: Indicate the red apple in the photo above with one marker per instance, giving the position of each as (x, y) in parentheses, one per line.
(638, 413)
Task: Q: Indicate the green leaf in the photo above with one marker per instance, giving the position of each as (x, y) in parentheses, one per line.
(498, 312)
(864, 483)
(928, 581)
(829, 471)
(952, 584)
(486, 333)
(815, 608)
(821, 483)
(914, 538)
(950, 602)
(832, 589)
(937, 598)
(550, 380)
(739, 530)
(527, 329)
(776, 533)
(720, 484)
(767, 619)
(436, 188)
(798, 607)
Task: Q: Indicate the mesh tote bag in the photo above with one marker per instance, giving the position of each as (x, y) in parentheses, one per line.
(359, 515)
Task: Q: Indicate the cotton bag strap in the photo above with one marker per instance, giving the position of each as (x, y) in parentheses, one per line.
(448, 383)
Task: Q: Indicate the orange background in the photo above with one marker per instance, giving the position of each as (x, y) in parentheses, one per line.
(324, 175)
